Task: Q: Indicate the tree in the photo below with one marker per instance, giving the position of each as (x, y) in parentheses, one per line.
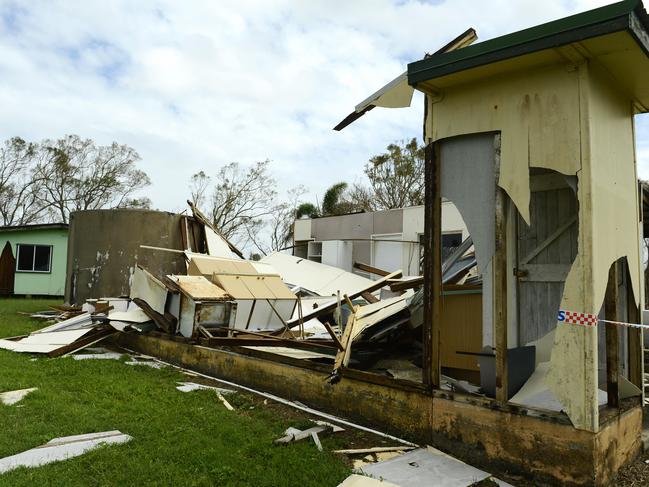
(198, 186)
(277, 233)
(19, 203)
(332, 199)
(307, 209)
(362, 198)
(240, 199)
(143, 203)
(76, 174)
(396, 177)
(337, 200)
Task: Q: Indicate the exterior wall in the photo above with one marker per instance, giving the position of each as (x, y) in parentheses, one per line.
(39, 283)
(576, 120)
(302, 229)
(402, 224)
(105, 248)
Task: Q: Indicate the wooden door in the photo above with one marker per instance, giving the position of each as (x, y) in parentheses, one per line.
(546, 250)
(7, 270)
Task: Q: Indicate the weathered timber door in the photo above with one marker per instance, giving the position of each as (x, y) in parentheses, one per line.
(546, 250)
(7, 270)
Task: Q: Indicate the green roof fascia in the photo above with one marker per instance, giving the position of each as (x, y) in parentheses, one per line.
(627, 15)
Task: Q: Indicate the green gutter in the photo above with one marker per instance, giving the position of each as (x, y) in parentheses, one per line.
(627, 15)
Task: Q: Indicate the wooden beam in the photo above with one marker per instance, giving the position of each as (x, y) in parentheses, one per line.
(432, 266)
(611, 300)
(343, 356)
(369, 269)
(370, 298)
(404, 285)
(162, 321)
(85, 341)
(500, 284)
(183, 232)
(300, 319)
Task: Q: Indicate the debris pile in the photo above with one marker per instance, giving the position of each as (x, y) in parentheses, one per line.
(281, 306)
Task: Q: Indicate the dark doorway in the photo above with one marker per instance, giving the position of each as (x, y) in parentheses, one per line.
(7, 270)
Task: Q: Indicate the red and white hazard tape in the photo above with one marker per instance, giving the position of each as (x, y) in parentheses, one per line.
(587, 319)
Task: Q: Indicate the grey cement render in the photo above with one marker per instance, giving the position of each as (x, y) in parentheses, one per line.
(104, 248)
(358, 226)
(388, 221)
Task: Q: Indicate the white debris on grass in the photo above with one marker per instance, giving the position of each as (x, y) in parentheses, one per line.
(97, 356)
(61, 449)
(334, 428)
(193, 386)
(356, 480)
(12, 397)
(417, 467)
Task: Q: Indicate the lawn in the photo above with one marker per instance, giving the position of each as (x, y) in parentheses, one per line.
(178, 438)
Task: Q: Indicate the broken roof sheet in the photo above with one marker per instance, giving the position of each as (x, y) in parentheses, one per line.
(319, 278)
(44, 342)
(200, 289)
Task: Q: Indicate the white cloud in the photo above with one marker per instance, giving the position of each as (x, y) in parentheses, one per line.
(195, 85)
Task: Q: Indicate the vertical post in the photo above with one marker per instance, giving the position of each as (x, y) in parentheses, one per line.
(612, 338)
(432, 265)
(500, 284)
(636, 349)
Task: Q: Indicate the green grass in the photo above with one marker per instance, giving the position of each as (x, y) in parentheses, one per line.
(178, 438)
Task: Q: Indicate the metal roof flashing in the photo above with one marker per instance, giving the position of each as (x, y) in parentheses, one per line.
(628, 15)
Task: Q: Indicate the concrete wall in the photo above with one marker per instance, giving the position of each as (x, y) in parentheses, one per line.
(105, 248)
(40, 283)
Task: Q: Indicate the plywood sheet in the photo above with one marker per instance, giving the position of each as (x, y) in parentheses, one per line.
(131, 316)
(233, 285)
(199, 288)
(461, 330)
(216, 246)
(44, 342)
(149, 289)
(202, 265)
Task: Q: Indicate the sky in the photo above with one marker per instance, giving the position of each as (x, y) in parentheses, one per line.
(194, 85)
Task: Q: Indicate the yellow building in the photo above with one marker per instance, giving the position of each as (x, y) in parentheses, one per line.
(531, 136)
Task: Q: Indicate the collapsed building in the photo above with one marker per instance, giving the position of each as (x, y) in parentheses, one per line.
(531, 136)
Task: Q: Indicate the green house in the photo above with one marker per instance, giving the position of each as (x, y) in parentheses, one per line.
(33, 259)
